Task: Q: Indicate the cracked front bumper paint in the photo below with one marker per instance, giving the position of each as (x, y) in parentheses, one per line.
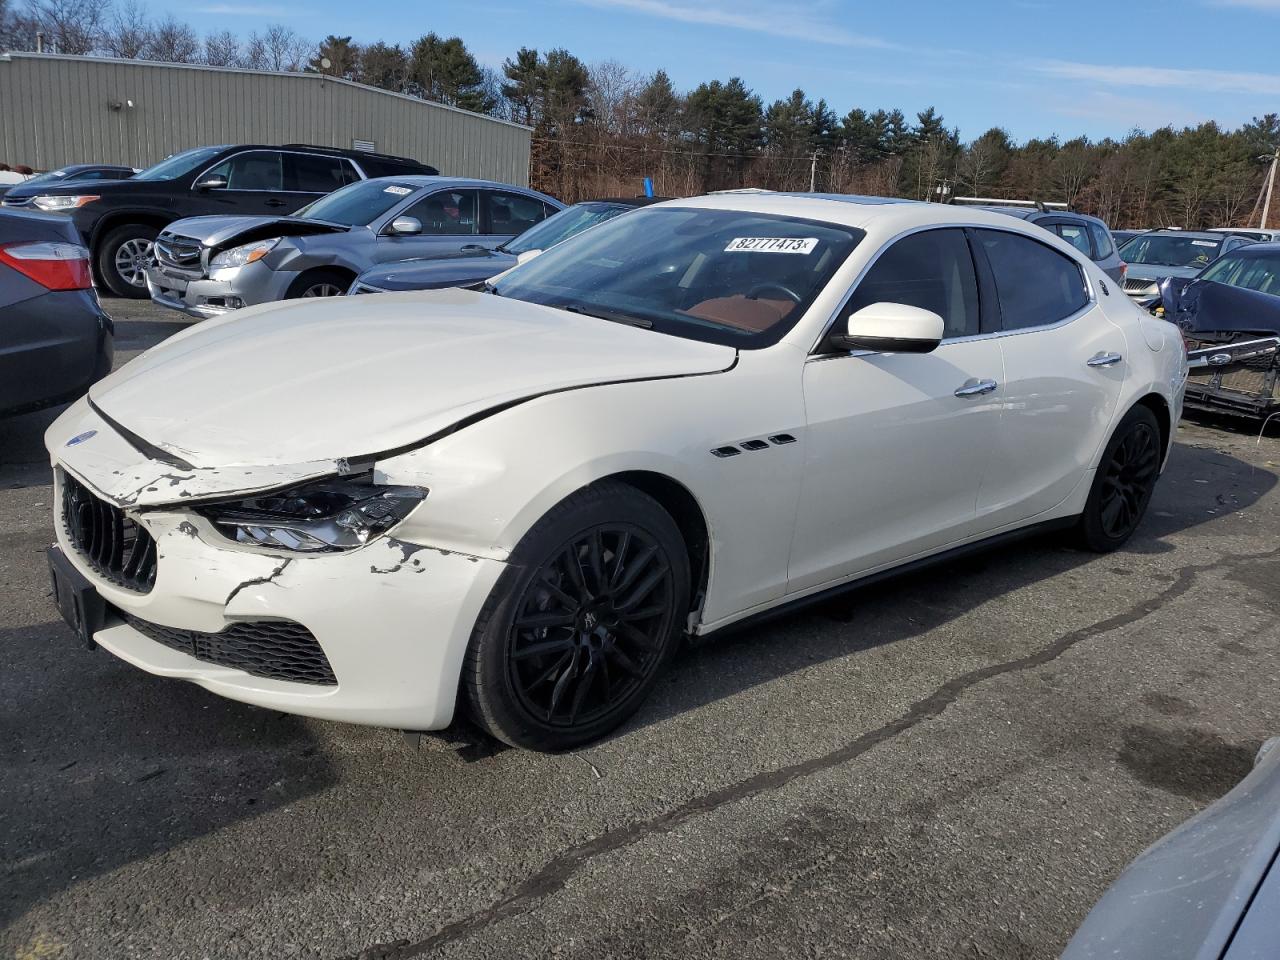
(393, 618)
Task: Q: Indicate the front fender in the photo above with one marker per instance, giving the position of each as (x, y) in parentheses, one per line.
(493, 480)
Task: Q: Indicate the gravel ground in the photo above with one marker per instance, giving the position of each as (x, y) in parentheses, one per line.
(953, 765)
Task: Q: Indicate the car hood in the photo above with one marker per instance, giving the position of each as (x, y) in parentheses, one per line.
(444, 271)
(222, 231)
(290, 390)
(101, 188)
(1157, 271)
(1204, 306)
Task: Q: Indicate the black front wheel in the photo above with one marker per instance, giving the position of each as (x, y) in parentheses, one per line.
(1123, 485)
(124, 255)
(580, 624)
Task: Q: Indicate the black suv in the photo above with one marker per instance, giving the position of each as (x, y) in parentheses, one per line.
(119, 219)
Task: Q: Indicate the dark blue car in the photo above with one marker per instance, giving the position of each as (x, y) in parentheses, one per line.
(473, 265)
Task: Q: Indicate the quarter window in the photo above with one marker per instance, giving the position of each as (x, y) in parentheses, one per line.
(255, 170)
(312, 173)
(446, 213)
(511, 213)
(1101, 241)
(932, 270)
(1036, 285)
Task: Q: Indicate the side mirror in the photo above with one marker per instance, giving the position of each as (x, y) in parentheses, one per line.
(890, 328)
(405, 227)
(526, 256)
(212, 183)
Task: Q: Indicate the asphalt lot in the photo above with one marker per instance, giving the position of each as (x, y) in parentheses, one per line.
(953, 765)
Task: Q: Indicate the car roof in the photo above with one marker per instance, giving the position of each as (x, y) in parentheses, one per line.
(424, 180)
(1266, 248)
(846, 209)
(627, 201)
(1193, 234)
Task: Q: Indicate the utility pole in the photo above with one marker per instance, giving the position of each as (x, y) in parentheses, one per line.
(813, 172)
(1271, 183)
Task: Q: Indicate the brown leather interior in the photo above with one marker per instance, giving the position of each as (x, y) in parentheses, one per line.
(742, 312)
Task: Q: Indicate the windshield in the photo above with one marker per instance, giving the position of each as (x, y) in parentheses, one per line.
(1261, 273)
(357, 204)
(180, 164)
(563, 225)
(1170, 251)
(721, 276)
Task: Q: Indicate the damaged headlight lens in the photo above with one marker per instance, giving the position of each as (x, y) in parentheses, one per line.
(327, 515)
(239, 256)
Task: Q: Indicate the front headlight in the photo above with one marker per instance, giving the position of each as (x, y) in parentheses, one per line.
(239, 256)
(52, 204)
(324, 516)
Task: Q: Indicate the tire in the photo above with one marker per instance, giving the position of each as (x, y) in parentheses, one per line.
(122, 248)
(596, 639)
(1124, 482)
(319, 283)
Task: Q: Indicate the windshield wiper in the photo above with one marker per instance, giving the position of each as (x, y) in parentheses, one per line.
(613, 316)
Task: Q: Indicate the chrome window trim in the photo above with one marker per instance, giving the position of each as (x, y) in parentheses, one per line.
(1090, 290)
(283, 153)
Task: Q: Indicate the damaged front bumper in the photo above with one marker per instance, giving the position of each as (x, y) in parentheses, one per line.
(1236, 376)
(223, 291)
(374, 635)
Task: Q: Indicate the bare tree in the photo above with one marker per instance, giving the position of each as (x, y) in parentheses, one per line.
(129, 34)
(280, 48)
(70, 26)
(222, 49)
(174, 42)
(612, 92)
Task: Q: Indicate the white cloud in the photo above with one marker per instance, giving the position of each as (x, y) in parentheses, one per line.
(1204, 81)
(796, 21)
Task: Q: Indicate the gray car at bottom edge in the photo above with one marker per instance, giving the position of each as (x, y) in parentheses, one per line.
(208, 266)
(1210, 890)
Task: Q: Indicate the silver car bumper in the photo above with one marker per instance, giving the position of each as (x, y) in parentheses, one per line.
(225, 291)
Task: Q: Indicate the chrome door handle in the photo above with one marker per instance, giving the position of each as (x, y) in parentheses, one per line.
(975, 388)
(1104, 360)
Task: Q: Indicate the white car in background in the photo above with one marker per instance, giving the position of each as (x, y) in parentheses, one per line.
(516, 502)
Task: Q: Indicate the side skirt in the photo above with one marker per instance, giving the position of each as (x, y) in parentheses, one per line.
(789, 607)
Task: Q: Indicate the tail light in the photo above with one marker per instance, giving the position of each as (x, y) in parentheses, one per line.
(1124, 270)
(55, 265)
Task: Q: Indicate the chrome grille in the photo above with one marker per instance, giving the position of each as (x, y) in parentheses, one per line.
(1135, 285)
(275, 649)
(180, 252)
(1256, 376)
(117, 547)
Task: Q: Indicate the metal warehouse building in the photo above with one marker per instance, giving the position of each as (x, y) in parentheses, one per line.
(56, 110)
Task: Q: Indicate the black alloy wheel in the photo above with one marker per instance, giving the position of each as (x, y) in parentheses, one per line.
(1124, 482)
(590, 625)
(581, 621)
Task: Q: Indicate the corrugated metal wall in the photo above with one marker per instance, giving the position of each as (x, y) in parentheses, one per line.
(57, 110)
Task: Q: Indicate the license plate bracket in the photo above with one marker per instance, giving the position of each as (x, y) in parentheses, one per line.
(80, 604)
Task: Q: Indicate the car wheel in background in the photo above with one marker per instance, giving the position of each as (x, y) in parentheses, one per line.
(1123, 484)
(581, 622)
(123, 257)
(319, 283)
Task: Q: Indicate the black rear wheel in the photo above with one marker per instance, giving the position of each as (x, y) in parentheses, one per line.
(124, 254)
(319, 283)
(581, 622)
(1124, 482)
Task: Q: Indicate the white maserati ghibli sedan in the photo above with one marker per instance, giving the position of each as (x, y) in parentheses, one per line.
(517, 501)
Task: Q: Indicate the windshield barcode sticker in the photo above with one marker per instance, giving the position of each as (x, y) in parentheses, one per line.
(1203, 243)
(772, 245)
(398, 191)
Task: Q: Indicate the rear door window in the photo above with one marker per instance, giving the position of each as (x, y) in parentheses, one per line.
(1036, 284)
(932, 270)
(1077, 235)
(312, 173)
(513, 213)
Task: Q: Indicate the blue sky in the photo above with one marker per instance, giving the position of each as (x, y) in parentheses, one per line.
(1035, 67)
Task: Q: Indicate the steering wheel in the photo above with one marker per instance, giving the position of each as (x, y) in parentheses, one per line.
(759, 288)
